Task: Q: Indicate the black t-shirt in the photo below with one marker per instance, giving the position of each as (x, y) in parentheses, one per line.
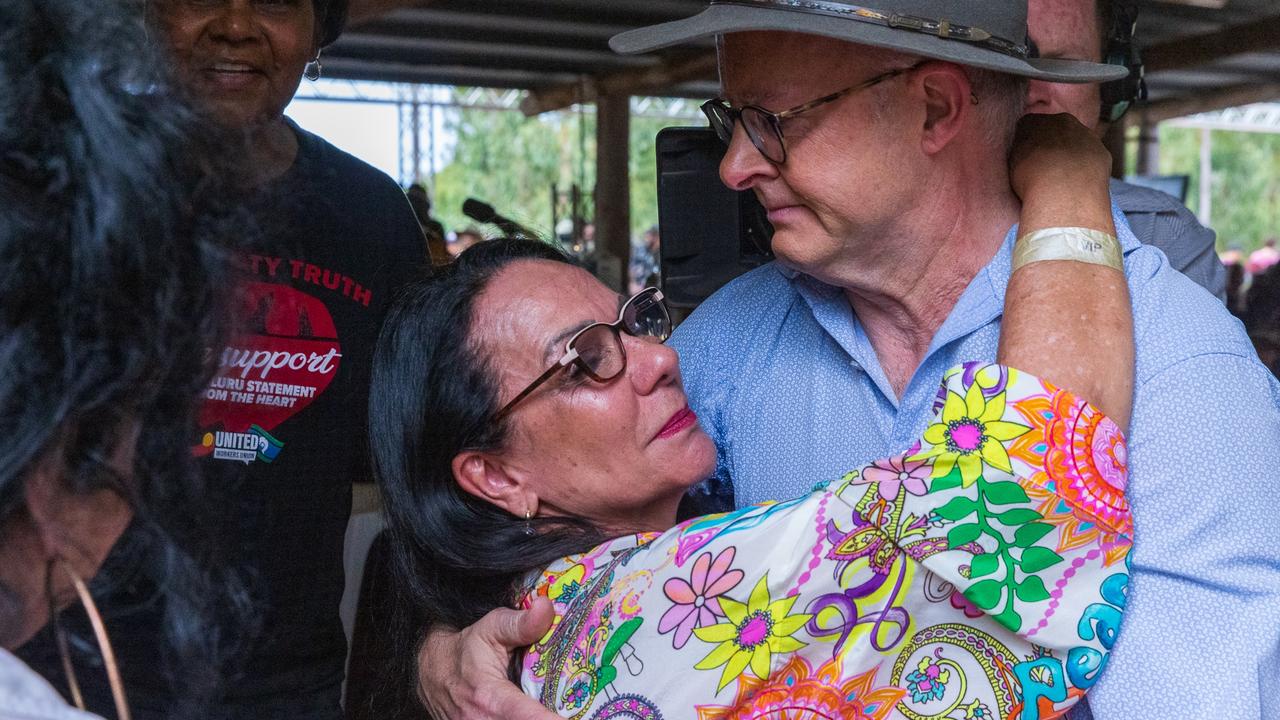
(283, 426)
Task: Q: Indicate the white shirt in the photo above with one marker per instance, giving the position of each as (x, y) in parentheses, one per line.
(24, 695)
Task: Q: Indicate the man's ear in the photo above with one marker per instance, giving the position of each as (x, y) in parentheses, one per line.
(487, 477)
(949, 99)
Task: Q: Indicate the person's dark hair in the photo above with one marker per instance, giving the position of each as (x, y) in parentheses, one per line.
(331, 19)
(1262, 305)
(111, 291)
(434, 395)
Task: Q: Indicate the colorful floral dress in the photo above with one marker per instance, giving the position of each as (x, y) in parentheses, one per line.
(981, 574)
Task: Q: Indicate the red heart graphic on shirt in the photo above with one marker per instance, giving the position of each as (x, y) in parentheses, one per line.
(286, 359)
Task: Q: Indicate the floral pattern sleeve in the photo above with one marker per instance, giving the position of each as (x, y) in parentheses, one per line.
(980, 574)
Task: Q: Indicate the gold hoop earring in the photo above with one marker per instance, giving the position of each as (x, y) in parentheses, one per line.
(313, 69)
(99, 632)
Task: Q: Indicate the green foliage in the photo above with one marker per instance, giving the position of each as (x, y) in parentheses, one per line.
(1019, 516)
(983, 565)
(1032, 590)
(1030, 534)
(1245, 203)
(511, 162)
(1005, 493)
(1035, 559)
(985, 594)
(962, 535)
(956, 508)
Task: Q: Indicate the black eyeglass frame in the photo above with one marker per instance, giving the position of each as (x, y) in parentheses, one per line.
(571, 356)
(732, 117)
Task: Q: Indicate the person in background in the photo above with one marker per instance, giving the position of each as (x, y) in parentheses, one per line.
(1261, 316)
(1263, 258)
(1235, 288)
(645, 262)
(281, 434)
(1084, 30)
(464, 239)
(114, 284)
(420, 201)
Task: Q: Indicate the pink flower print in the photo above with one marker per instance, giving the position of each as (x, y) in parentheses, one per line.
(695, 601)
(960, 602)
(898, 472)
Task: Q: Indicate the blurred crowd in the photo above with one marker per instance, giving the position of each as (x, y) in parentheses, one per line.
(1253, 296)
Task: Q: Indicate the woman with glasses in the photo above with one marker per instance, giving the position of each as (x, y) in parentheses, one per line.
(533, 440)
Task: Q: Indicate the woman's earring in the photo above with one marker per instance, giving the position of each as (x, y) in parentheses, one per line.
(528, 527)
(99, 632)
(313, 70)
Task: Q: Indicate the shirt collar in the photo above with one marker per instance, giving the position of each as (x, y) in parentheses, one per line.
(981, 303)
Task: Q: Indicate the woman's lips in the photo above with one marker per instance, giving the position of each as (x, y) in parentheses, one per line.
(682, 420)
(232, 77)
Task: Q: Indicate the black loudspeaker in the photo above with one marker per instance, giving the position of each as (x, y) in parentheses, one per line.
(1122, 49)
(709, 234)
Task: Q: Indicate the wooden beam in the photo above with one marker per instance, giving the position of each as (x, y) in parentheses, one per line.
(1233, 96)
(1261, 35)
(640, 81)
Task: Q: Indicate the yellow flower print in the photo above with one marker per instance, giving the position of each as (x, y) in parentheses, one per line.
(752, 633)
(969, 434)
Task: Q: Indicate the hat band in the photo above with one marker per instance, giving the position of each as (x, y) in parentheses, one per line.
(944, 29)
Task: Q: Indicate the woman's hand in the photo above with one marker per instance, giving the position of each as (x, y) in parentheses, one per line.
(1061, 172)
(1065, 321)
(463, 675)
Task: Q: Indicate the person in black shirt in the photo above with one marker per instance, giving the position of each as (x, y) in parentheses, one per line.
(282, 428)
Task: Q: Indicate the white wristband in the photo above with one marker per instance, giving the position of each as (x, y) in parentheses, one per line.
(1069, 243)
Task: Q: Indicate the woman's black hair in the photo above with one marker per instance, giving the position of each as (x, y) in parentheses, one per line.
(434, 395)
(331, 19)
(112, 278)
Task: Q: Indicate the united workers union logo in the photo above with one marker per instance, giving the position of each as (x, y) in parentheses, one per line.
(245, 447)
(286, 359)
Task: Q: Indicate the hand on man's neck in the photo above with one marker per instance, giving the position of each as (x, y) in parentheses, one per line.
(902, 298)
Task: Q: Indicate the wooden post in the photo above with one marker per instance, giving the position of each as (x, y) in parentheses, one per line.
(1148, 147)
(613, 189)
(1206, 176)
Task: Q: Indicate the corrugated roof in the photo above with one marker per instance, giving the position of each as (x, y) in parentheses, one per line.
(558, 47)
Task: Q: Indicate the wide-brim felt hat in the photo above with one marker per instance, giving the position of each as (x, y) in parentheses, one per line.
(990, 34)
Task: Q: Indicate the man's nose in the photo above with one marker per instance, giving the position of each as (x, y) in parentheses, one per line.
(743, 166)
(1039, 97)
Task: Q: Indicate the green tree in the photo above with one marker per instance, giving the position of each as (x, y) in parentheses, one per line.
(512, 162)
(1245, 200)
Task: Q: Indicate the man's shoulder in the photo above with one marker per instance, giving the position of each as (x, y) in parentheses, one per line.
(1131, 198)
(1175, 319)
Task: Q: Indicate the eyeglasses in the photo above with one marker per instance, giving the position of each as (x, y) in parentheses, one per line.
(597, 349)
(764, 128)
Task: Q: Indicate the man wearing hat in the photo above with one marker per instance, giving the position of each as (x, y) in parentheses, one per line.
(876, 137)
(1103, 30)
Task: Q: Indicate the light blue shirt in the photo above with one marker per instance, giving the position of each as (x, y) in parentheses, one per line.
(785, 380)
